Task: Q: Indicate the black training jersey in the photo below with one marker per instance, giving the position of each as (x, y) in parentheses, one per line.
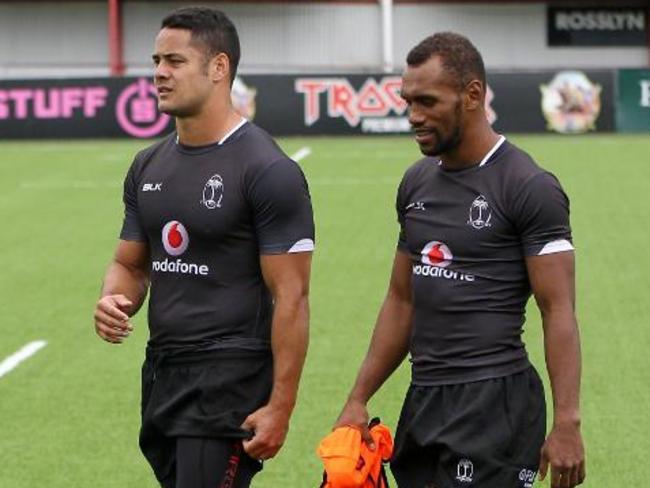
(467, 233)
(207, 213)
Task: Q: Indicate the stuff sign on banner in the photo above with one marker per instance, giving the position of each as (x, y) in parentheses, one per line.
(581, 26)
(102, 107)
(633, 100)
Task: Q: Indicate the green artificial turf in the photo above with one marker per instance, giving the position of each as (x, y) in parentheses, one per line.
(69, 415)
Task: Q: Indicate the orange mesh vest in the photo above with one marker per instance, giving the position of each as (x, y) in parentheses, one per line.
(349, 462)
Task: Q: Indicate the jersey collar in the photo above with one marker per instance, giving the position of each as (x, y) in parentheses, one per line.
(496, 146)
(224, 138)
(235, 129)
(489, 154)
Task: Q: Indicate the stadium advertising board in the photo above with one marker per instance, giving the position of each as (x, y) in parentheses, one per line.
(102, 107)
(633, 100)
(582, 26)
(332, 104)
(565, 102)
(571, 102)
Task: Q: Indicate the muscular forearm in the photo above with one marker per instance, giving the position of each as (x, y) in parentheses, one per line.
(563, 450)
(130, 282)
(289, 340)
(552, 280)
(123, 291)
(388, 347)
(562, 348)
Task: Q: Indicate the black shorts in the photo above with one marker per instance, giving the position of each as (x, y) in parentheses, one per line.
(211, 463)
(485, 434)
(199, 395)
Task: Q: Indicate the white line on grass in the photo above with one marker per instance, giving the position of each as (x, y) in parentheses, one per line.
(301, 153)
(19, 356)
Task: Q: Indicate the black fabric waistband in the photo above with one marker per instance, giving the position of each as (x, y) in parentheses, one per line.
(421, 376)
(236, 347)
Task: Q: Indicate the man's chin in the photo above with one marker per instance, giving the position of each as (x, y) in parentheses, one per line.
(176, 111)
(429, 150)
(165, 108)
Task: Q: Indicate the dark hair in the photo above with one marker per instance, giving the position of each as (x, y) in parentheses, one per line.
(458, 55)
(210, 27)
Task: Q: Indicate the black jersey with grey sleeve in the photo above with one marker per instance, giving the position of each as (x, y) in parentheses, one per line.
(207, 214)
(468, 233)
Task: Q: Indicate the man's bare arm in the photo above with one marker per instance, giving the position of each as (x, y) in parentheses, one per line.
(388, 346)
(287, 276)
(123, 291)
(552, 278)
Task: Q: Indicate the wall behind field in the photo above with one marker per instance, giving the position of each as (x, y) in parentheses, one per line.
(277, 37)
(510, 36)
(45, 39)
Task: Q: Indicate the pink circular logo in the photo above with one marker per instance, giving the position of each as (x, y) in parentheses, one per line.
(436, 253)
(175, 238)
(137, 111)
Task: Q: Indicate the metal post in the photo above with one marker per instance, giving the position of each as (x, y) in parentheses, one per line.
(115, 55)
(647, 34)
(387, 35)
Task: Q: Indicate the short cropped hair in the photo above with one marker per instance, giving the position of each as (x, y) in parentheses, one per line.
(458, 55)
(210, 27)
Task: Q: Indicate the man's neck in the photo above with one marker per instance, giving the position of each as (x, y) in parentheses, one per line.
(208, 127)
(476, 144)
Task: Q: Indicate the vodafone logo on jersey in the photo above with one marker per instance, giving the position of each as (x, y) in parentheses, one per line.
(435, 257)
(175, 238)
(436, 253)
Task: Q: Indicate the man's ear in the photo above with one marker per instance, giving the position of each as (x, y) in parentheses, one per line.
(220, 68)
(473, 95)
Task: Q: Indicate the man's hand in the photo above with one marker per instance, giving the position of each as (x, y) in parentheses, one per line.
(112, 319)
(565, 453)
(355, 414)
(269, 426)
(388, 348)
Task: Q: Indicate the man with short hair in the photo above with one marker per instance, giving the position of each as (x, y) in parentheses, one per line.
(482, 226)
(218, 225)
